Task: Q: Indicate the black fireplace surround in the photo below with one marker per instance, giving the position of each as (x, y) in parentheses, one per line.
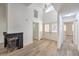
(19, 41)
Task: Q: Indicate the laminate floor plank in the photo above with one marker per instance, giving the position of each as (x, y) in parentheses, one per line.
(44, 47)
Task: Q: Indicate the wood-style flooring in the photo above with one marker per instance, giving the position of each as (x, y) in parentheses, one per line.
(44, 47)
(68, 48)
(38, 48)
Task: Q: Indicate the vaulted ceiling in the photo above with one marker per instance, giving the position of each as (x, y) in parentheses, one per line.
(62, 8)
(65, 8)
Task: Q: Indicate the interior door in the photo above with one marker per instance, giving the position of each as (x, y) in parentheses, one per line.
(35, 30)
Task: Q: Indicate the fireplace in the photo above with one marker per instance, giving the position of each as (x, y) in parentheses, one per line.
(18, 38)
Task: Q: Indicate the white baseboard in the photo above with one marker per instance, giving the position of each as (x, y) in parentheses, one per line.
(25, 44)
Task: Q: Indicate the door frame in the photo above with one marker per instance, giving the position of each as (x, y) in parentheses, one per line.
(33, 29)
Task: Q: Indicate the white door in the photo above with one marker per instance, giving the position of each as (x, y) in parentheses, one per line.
(35, 31)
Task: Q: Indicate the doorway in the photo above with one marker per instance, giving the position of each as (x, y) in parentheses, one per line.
(67, 47)
(68, 31)
(35, 31)
(68, 44)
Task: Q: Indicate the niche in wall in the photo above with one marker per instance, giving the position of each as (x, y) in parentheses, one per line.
(35, 13)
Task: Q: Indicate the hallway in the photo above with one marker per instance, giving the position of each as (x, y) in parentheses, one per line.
(68, 48)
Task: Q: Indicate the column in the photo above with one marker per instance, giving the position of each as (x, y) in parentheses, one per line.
(60, 31)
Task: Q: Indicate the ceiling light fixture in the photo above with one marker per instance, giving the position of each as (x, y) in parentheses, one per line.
(70, 14)
(49, 8)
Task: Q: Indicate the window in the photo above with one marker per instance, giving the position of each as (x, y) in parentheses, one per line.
(54, 27)
(46, 27)
(35, 13)
(65, 27)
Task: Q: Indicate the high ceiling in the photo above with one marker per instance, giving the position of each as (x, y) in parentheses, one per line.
(62, 8)
(65, 8)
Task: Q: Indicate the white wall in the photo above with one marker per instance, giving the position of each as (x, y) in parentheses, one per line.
(20, 19)
(3, 21)
(77, 30)
(39, 8)
(75, 33)
(50, 17)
